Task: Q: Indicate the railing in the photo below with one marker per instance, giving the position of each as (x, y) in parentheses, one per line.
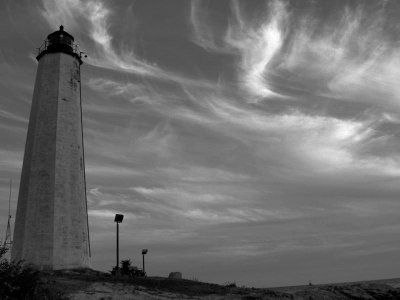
(74, 47)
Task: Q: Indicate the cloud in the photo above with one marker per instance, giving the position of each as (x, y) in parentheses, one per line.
(11, 160)
(319, 142)
(12, 116)
(62, 12)
(107, 214)
(258, 45)
(192, 203)
(186, 105)
(372, 81)
(95, 15)
(110, 170)
(203, 166)
(133, 91)
(183, 197)
(256, 41)
(204, 34)
(202, 174)
(352, 59)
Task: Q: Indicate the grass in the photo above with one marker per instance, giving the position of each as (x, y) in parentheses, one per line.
(77, 279)
(57, 284)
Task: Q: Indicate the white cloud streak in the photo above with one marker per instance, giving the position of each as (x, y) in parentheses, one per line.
(95, 15)
(133, 91)
(212, 208)
(321, 142)
(10, 160)
(352, 60)
(12, 116)
(203, 35)
(256, 45)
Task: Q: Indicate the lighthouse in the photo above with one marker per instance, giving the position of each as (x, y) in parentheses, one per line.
(51, 226)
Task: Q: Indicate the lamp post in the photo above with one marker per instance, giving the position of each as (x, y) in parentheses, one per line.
(118, 219)
(144, 252)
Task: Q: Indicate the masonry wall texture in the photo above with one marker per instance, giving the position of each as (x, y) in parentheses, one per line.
(51, 229)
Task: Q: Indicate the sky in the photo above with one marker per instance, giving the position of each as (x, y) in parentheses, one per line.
(254, 142)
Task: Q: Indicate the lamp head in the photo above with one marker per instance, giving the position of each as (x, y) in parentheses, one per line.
(118, 218)
(144, 251)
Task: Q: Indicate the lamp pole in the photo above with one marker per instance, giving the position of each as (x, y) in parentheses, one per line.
(117, 246)
(144, 252)
(118, 219)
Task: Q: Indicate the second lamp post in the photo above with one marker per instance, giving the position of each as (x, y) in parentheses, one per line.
(118, 219)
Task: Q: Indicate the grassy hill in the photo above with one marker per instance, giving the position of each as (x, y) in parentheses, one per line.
(96, 285)
(22, 282)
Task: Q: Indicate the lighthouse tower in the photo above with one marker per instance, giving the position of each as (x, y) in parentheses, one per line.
(51, 226)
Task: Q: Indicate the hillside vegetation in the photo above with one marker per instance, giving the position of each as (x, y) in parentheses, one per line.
(18, 281)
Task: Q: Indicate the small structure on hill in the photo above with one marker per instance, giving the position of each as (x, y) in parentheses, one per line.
(175, 275)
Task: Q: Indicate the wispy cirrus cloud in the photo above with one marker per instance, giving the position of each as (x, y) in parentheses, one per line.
(195, 205)
(352, 59)
(105, 52)
(12, 116)
(205, 161)
(258, 45)
(97, 170)
(95, 14)
(204, 33)
(202, 174)
(11, 160)
(134, 91)
(323, 142)
(184, 197)
(256, 41)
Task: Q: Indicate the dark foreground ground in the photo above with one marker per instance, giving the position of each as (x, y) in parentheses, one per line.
(95, 285)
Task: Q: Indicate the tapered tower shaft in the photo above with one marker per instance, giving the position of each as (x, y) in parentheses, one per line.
(51, 228)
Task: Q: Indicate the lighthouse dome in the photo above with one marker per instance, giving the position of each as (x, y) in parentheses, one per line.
(60, 40)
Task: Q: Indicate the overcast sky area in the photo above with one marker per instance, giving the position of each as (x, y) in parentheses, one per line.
(248, 141)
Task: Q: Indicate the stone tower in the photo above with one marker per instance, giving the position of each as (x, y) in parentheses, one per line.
(51, 226)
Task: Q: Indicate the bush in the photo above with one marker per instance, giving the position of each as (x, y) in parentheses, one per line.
(230, 284)
(128, 270)
(21, 282)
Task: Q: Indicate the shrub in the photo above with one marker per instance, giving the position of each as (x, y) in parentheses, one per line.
(230, 284)
(21, 282)
(127, 269)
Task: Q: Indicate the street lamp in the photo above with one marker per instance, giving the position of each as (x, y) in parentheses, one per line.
(118, 219)
(144, 251)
